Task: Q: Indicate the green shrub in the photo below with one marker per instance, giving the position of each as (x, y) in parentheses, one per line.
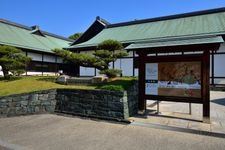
(111, 73)
(120, 84)
(18, 72)
(112, 87)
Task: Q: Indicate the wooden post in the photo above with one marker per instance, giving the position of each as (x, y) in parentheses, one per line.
(42, 64)
(190, 111)
(205, 86)
(133, 56)
(141, 83)
(212, 65)
(26, 65)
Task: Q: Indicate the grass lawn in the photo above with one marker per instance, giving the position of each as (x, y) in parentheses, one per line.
(36, 83)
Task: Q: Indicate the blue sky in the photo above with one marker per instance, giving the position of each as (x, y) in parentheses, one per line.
(65, 17)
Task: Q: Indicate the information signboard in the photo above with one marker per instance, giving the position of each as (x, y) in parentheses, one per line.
(182, 79)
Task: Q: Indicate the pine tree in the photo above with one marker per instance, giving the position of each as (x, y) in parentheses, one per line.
(12, 60)
(108, 51)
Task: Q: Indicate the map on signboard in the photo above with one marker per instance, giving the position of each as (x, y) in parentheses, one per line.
(173, 79)
(151, 85)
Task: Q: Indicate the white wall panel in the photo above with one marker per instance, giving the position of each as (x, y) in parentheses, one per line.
(59, 60)
(222, 48)
(118, 64)
(35, 56)
(127, 67)
(50, 58)
(85, 71)
(219, 69)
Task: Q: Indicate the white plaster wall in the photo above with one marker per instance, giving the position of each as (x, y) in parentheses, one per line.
(35, 56)
(40, 73)
(219, 62)
(86, 71)
(222, 48)
(1, 73)
(126, 65)
(49, 58)
(59, 60)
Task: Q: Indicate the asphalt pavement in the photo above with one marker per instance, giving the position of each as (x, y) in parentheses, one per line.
(54, 132)
(174, 128)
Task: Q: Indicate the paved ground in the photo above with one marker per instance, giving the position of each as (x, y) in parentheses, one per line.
(54, 132)
(177, 115)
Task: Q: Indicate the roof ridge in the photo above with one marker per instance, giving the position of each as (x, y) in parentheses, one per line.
(197, 36)
(15, 24)
(102, 20)
(176, 16)
(30, 29)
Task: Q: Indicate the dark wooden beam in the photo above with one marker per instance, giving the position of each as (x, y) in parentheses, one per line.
(212, 68)
(141, 82)
(206, 86)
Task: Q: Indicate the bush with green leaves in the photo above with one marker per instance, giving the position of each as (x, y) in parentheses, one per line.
(111, 73)
(112, 87)
(17, 72)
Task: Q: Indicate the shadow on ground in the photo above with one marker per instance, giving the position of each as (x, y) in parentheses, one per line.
(47, 79)
(220, 101)
(10, 79)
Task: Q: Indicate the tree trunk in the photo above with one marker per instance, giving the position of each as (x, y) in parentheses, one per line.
(5, 72)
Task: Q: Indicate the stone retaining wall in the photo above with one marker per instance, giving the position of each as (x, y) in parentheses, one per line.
(93, 103)
(28, 103)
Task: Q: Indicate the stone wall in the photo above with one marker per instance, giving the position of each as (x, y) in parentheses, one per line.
(28, 103)
(93, 103)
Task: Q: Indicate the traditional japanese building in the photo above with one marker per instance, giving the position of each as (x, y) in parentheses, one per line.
(36, 44)
(195, 28)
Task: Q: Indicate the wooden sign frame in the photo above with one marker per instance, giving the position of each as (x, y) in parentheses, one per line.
(205, 70)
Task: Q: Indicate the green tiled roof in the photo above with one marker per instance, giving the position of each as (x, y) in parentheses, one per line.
(176, 42)
(177, 27)
(22, 37)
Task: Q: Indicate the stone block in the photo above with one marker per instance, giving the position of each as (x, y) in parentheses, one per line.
(99, 97)
(14, 104)
(37, 109)
(101, 104)
(20, 110)
(49, 109)
(33, 97)
(62, 79)
(43, 103)
(101, 113)
(6, 100)
(3, 104)
(43, 97)
(24, 103)
(30, 109)
(117, 99)
(51, 96)
(34, 103)
(117, 115)
(115, 106)
(11, 112)
(16, 99)
(99, 79)
(3, 111)
(53, 102)
(74, 99)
